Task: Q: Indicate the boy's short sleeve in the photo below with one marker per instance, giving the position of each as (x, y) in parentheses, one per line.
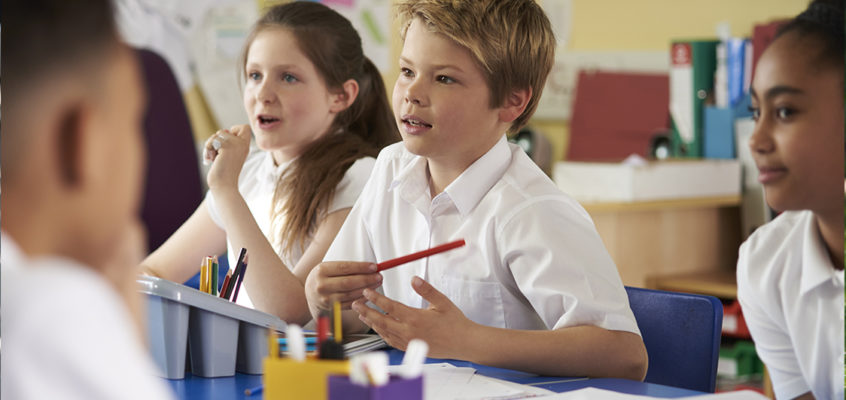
(561, 266)
(350, 187)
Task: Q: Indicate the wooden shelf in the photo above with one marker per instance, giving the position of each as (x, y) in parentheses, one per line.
(722, 284)
(723, 201)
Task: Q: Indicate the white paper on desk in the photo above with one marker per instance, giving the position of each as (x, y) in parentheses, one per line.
(602, 394)
(738, 395)
(447, 382)
(514, 390)
(592, 394)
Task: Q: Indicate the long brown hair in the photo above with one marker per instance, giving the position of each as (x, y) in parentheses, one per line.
(304, 192)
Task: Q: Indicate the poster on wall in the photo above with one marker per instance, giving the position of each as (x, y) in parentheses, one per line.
(372, 19)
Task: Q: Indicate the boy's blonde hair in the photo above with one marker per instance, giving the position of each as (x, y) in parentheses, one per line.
(511, 40)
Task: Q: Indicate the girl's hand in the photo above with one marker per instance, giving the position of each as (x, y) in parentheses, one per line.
(226, 151)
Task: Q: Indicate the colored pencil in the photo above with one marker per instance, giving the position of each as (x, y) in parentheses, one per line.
(214, 278)
(203, 276)
(235, 273)
(240, 279)
(225, 285)
(256, 390)
(336, 314)
(418, 255)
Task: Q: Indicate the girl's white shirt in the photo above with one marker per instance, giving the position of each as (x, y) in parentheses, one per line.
(257, 184)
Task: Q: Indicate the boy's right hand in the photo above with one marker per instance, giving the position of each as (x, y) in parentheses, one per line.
(343, 281)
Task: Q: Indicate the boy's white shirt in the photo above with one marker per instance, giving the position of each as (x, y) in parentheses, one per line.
(257, 183)
(67, 334)
(792, 301)
(533, 258)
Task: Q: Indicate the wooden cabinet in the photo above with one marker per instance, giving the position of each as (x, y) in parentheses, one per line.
(681, 245)
(669, 237)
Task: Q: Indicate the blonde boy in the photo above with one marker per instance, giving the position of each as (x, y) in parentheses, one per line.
(72, 159)
(534, 289)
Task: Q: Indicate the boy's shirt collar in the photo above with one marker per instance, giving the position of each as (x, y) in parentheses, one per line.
(466, 191)
(471, 186)
(412, 184)
(816, 263)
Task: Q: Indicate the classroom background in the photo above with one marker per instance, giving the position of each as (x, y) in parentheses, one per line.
(634, 82)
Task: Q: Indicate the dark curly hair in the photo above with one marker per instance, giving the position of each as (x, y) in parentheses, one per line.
(822, 21)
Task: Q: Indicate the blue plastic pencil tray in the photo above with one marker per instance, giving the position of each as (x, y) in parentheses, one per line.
(207, 335)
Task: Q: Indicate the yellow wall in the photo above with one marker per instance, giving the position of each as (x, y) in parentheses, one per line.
(650, 24)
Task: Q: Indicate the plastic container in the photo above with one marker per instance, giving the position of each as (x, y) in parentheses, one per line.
(341, 388)
(734, 324)
(739, 360)
(286, 378)
(223, 337)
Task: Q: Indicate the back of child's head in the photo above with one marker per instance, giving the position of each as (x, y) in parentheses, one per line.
(331, 43)
(821, 23)
(46, 41)
(72, 151)
(511, 41)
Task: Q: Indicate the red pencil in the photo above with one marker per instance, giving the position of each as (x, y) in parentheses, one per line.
(322, 330)
(225, 284)
(418, 255)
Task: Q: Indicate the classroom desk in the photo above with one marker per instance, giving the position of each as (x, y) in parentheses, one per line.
(196, 388)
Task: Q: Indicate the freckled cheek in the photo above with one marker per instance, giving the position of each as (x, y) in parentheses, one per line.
(249, 100)
(397, 97)
(298, 109)
(449, 118)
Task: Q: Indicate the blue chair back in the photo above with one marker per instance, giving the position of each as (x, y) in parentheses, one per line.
(682, 336)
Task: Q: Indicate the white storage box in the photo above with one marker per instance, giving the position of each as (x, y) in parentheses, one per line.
(648, 181)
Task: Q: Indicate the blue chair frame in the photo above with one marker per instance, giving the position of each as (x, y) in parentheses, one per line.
(681, 332)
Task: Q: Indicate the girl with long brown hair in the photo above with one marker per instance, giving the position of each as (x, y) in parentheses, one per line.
(318, 110)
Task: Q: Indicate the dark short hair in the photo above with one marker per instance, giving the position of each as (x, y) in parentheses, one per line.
(45, 38)
(42, 35)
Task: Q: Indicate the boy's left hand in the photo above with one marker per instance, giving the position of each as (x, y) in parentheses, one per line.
(442, 326)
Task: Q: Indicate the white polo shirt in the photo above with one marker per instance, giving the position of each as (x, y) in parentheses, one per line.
(257, 183)
(67, 334)
(533, 258)
(792, 300)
